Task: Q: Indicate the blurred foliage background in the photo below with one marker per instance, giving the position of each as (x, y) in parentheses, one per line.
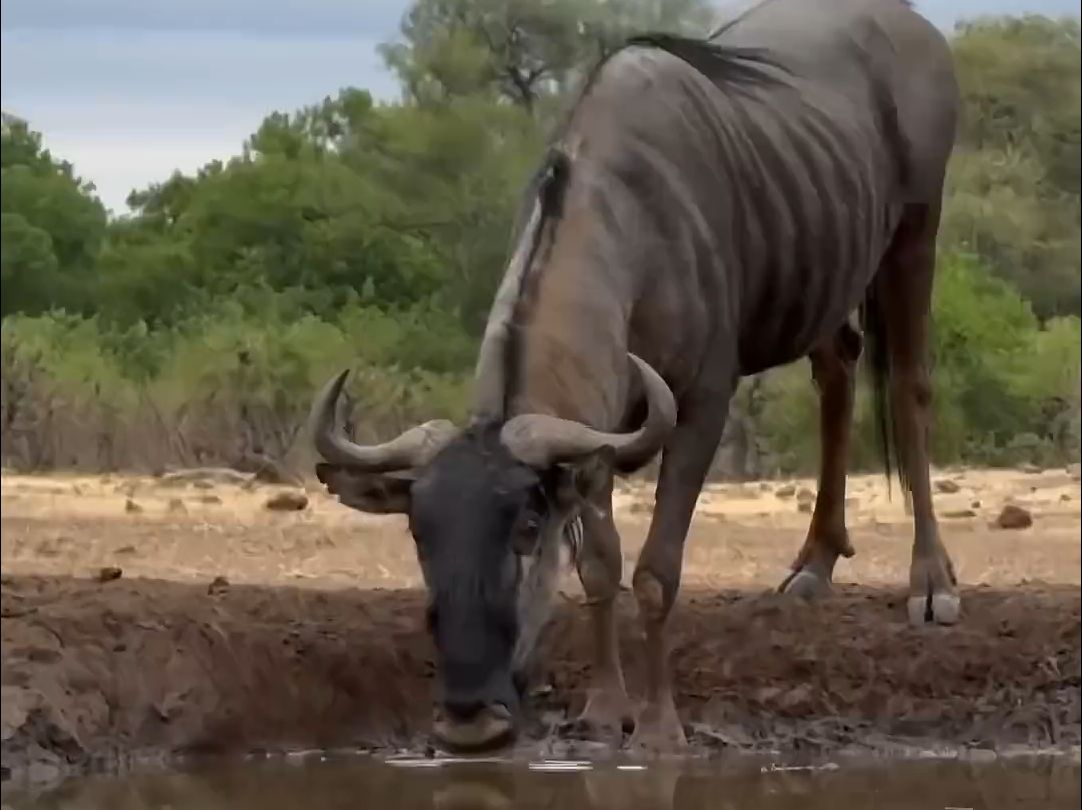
(196, 328)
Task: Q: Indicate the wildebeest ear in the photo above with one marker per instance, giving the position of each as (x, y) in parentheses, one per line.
(587, 477)
(379, 493)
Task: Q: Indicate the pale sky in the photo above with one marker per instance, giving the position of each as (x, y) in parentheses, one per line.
(129, 90)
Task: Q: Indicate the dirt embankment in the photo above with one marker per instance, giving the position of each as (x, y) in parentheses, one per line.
(230, 627)
(93, 671)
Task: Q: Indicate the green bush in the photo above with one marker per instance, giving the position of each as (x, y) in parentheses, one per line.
(211, 389)
(228, 382)
(1005, 385)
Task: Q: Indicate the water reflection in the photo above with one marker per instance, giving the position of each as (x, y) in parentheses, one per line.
(717, 784)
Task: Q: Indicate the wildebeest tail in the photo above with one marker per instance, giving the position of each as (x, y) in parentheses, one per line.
(877, 359)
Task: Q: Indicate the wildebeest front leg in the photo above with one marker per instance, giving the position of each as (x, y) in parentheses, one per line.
(608, 709)
(684, 464)
(905, 294)
(834, 368)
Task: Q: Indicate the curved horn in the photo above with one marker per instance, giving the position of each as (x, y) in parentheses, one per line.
(540, 439)
(411, 449)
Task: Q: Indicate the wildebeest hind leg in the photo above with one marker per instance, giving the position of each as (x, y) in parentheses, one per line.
(608, 709)
(903, 298)
(684, 464)
(834, 367)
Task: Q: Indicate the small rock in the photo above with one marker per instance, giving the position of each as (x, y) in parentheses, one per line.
(131, 507)
(108, 573)
(946, 486)
(218, 585)
(288, 501)
(805, 495)
(1065, 496)
(975, 504)
(266, 470)
(785, 491)
(176, 506)
(203, 484)
(804, 506)
(1032, 469)
(209, 499)
(1014, 517)
(959, 513)
(125, 550)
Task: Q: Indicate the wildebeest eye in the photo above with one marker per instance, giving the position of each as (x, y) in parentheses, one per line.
(527, 530)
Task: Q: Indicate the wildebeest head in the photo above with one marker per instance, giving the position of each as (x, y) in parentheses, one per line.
(488, 507)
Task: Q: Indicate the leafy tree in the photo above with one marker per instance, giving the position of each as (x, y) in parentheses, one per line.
(351, 232)
(1021, 88)
(28, 266)
(519, 50)
(1014, 187)
(996, 208)
(52, 225)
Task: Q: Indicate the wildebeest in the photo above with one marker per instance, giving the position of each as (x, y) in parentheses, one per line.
(709, 209)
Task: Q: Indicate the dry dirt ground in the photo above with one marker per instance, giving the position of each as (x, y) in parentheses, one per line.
(223, 626)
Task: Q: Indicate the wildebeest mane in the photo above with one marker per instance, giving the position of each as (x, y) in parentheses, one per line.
(545, 191)
(725, 65)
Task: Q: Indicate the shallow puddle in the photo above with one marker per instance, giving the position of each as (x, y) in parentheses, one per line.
(322, 782)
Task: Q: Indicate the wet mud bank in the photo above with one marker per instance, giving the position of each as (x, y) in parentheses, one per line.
(98, 673)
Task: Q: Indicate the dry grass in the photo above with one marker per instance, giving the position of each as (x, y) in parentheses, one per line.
(743, 536)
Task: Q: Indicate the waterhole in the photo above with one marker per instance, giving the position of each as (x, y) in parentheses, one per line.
(321, 781)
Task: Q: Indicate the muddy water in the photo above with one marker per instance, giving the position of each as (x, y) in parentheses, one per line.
(320, 782)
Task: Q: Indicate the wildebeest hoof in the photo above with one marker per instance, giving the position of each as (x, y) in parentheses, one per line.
(607, 715)
(940, 608)
(932, 594)
(658, 731)
(491, 728)
(805, 584)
